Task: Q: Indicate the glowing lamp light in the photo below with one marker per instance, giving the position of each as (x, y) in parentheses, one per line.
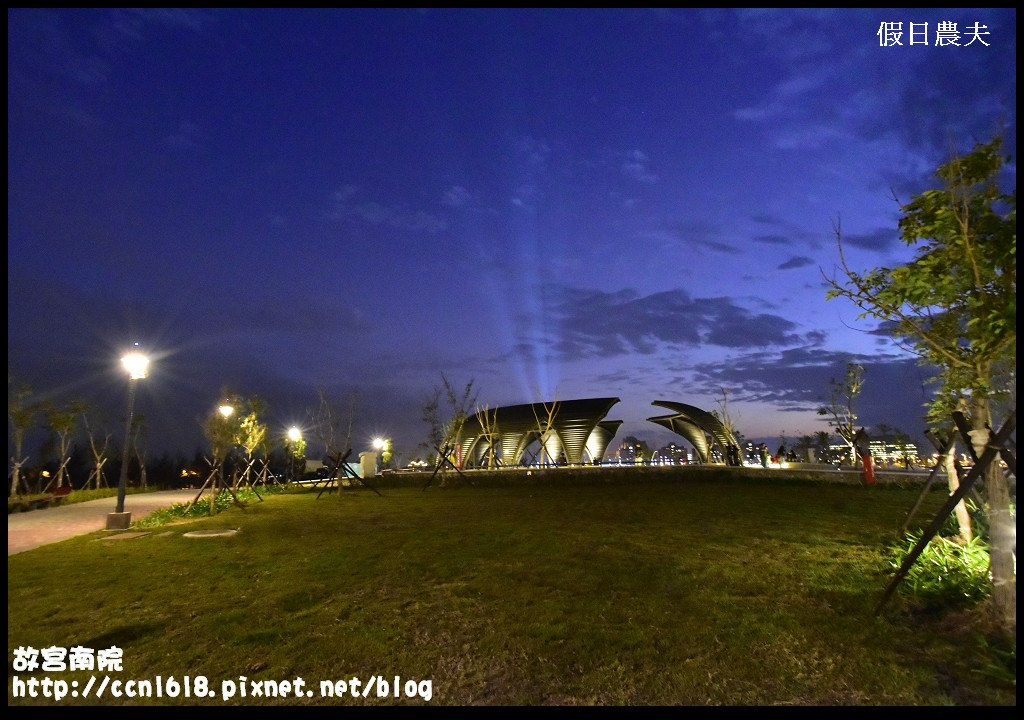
(378, 443)
(294, 434)
(226, 410)
(137, 365)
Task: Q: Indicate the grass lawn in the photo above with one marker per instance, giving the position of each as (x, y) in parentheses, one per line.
(692, 593)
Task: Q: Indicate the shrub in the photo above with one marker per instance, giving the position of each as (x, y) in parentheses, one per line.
(947, 574)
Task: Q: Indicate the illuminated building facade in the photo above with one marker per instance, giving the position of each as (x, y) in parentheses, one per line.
(560, 432)
(709, 438)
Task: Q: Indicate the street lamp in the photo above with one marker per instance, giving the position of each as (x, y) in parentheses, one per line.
(136, 363)
(226, 409)
(383, 447)
(294, 437)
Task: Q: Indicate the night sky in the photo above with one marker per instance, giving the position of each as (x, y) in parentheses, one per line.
(566, 204)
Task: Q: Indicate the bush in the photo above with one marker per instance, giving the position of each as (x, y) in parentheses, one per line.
(947, 574)
(223, 501)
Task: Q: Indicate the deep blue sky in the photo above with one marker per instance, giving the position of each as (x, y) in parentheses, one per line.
(551, 203)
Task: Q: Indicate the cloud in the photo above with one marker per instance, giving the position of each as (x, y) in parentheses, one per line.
(456, 196)
(533, 152)
(881, 239)
(773, 240)
(588, 323)
(343, 206)
(799, 261)
(902, 108)
(797, 380)
(702, 235)
(637, 167)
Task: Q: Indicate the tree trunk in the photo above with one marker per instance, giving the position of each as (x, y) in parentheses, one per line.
(963, 518)
(1002, 529)
(16, 470)
(15, 478)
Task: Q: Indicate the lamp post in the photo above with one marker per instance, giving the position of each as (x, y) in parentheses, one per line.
(226, 410)
(294, 438)
(383, 447)
(137, 365)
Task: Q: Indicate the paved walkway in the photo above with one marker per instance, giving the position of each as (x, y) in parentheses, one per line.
(28, 530)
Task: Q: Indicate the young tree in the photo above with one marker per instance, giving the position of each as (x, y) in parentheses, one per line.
(62, 421)
(954, 305)
(251, 435)
(446, 428)
(223, 431)
(842, 394)
(21, 413)
(327, 422)
(546, 430)
(139, 446)
(99, 448)
(490, 432)
(722, 414)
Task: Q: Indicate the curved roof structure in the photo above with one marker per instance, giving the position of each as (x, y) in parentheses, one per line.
(696, 426)
(573, 428)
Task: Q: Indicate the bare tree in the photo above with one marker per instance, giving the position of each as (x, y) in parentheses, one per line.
(489, 430)
(446, 426)
(98, 447)
(546, 426)
(722, 414)
(328, 420)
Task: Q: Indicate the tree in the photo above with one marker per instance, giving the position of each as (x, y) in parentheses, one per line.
(954, 306)
(546, 430)
(327, 421)
(99, 448)
(62, 421)
(489, 431)
(221, 428)
(447, 431)
(251, 435)
(139, 446)
(842, 394)
(21, 413)
(722, 414)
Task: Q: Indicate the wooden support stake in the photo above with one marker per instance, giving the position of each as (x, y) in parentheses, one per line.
(991, 451)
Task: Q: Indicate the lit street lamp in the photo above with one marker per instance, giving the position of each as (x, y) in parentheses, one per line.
(293, 450)
(383, 447)
(137, 365)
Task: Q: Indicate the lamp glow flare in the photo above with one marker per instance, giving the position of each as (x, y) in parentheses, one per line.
(136, 364)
